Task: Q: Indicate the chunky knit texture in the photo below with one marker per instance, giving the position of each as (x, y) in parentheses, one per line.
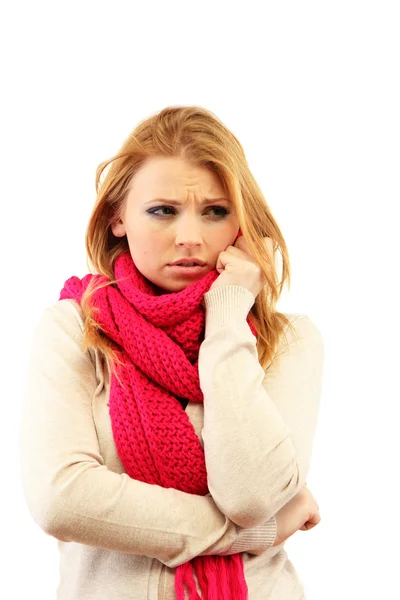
(158, 339)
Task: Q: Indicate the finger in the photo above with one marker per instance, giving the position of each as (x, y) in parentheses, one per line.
(228, 256)
(315, 519)
(242, 244)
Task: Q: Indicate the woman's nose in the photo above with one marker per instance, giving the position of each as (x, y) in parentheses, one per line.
(188, 235)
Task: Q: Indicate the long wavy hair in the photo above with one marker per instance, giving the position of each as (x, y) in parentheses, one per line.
(196, 135)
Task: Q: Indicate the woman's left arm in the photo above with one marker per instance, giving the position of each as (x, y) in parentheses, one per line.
(258, 426)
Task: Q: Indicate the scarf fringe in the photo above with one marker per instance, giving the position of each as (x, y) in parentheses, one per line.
(184, 575)
(219, 578)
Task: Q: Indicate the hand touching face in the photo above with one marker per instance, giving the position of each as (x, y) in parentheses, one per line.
(237, 266)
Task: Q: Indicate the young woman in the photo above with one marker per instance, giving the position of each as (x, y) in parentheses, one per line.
(170, 409)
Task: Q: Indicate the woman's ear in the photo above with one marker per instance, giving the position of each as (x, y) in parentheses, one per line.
(118, 228)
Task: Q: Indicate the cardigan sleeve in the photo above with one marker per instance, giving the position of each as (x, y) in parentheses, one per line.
(70, 492)
(258, 425)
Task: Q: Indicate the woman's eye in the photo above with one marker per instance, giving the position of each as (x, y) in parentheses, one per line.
(155, 209)
(225, 210)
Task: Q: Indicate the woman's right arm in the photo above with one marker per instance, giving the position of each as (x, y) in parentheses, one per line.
(70, 492)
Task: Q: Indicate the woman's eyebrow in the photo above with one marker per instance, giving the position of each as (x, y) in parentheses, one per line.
(205, 201)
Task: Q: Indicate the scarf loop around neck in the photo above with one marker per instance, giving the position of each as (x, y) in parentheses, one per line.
(158, 339)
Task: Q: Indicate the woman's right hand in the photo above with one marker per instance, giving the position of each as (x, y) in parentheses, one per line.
(301, 512)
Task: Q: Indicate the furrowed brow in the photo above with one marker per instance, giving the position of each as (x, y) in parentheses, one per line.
(177, 202)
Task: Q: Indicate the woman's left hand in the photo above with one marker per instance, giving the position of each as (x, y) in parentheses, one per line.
(237, 266)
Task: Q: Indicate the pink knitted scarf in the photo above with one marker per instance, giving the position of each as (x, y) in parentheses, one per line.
(158, 339)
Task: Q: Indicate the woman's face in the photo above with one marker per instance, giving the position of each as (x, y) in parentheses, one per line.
(160, 231)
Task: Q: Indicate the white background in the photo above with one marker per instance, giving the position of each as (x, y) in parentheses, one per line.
(311, 89)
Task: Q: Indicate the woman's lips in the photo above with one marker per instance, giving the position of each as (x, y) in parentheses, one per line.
(182, 270)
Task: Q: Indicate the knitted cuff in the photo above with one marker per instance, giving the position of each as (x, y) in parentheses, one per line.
(255, 540)
(227, 305)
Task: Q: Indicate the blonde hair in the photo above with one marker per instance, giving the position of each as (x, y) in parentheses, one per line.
(196, 135)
